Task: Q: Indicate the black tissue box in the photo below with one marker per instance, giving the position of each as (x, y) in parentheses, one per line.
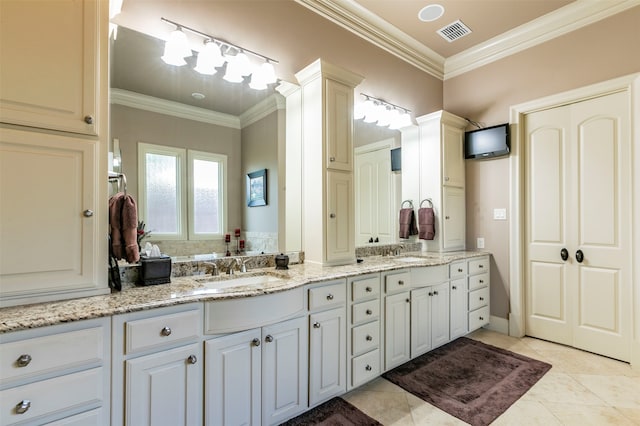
(155, 270)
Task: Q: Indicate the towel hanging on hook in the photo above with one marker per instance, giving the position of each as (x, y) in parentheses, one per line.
(407, 201)
(426, 221)
(121, 179)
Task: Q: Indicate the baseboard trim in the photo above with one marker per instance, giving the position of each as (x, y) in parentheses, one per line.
(499, 325)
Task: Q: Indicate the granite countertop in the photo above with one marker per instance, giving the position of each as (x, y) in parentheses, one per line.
(193, 289)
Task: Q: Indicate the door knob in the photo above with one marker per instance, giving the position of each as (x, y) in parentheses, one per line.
(579, 256)
(564, 254)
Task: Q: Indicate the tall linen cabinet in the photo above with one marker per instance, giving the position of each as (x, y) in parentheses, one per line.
(433, 175)
(53, 131)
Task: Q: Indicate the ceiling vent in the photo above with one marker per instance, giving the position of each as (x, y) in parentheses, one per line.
(454, 31)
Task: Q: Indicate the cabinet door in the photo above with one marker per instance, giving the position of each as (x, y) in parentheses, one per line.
(458, 315)
(440, 315)
(47, 200)
(50, 60)
(327, 355)
(340, 217)
(374, 195)
(232, 379)
(397, 329)
(339, 125)
(165, 388)
(420, 321)
(284, 370)
(452, 156)
(453, 225)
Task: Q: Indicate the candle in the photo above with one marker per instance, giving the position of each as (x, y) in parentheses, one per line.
(241, 244)
(227, 238)
(237, 232)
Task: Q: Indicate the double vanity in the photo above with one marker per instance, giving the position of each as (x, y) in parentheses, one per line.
(251, 348)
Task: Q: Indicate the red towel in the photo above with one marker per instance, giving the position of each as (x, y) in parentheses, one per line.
(123, 226)
(407, 223)
(426, 219)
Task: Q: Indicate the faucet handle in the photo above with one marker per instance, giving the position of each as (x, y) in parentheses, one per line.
(213, 266)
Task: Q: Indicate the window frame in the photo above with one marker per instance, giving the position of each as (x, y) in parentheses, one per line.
(221, 159)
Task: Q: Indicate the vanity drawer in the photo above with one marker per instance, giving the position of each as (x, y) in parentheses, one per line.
(478, 298)
(478, 281)
(365, 337)
(327, 296)
(365, 367)
(479, 265)
(365, 288)
(365, 311)
(52, 396)
(27, 358)
(163, 330)
(458, 269)
(398, 282)
(478, 318)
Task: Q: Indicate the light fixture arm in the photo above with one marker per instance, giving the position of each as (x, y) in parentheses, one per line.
(385, 103)
(219, 41)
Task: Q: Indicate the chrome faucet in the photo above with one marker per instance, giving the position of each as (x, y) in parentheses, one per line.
(244, 265)
(213, 266)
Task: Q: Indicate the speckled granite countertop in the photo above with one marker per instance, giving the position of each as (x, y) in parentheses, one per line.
(192, 289)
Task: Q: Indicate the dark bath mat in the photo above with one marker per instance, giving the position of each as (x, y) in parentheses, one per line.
(335, 412)
(470, 380)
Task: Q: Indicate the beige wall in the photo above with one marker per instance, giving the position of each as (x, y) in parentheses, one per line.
(598, 52)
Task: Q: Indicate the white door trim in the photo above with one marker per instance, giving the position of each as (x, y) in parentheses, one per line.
(630, 83)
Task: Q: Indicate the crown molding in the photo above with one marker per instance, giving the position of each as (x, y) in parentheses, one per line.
(547, 27)
(362, 22)
(175, 109)
(262, 109)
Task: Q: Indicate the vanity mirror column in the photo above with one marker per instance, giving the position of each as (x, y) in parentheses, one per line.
(328, 206)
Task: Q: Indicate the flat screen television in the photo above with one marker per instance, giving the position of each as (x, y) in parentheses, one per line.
(487, 143)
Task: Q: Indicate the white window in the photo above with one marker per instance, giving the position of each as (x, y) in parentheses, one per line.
(182, 194)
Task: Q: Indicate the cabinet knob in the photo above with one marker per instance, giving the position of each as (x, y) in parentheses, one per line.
(88, 119)
(332, 215)
(481, 299)
(316, 325)
(166, 331)
(430, 294)
(459, 269)
(269, 338)
(368, 367)
(329, 296)
(481, 318)
(481, 281)
(435, 293)
(446, 217)
(369, 338)
(255, 342)
(23, 406)
(192, 359)
(453, 287)
(400, 282)
(446, 178)
(87, 213)
(408, 300)
(23, 360)
(481, 266)
(369, 312)
(368, 289)
(332, 159)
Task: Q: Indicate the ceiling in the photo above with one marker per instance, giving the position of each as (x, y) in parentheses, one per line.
(498, 28)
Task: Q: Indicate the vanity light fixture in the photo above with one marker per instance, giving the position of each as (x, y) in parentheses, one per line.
(383, 113)
(215, 53)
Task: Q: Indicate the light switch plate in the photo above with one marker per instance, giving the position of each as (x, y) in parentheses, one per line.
(480, 242)
(499, 214)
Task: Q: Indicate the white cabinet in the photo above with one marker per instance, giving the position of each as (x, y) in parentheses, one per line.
(458, 315)
(53, 201)
(54, 373)
(327, 148)
(429, 318)
(433, 167)
(479, 292)
(257, 376)
(158, 366)
(327, 341)
(397, 318)
(51, 64)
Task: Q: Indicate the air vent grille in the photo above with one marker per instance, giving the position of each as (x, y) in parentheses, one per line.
(454, 31)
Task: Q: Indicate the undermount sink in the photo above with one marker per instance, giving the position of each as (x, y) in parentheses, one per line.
(250, 281)
(409, 259)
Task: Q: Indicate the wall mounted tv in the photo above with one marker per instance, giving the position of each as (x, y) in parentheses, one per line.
(487, 143)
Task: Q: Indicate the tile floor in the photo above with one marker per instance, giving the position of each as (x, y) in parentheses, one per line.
(580, 389)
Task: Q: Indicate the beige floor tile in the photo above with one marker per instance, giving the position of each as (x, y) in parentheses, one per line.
(527, 413)
(594, 415)
(616, 391)
(381, 385)
(424, 413)
(389, 408)
(632, 414)
(561, 388)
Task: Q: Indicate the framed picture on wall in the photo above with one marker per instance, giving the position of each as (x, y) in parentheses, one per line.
(257, 188)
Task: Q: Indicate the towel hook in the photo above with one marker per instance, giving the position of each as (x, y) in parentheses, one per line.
(121, 179)
(407, 201)
(427, 200)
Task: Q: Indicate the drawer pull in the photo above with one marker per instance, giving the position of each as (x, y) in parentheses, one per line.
(23, 406)
(481, 299)
(481, 266)
(166, 331)
(369, 312)
(269, 338)
(481, 281)
(332, 159)
(332, 215)
(430, 294)
(369, 338)
(192, 359)
(453, 287)
(435, 293)
(24, 360)
(368, 289)
(329, 296)
(459, 269)
(255, 342)
(481, 318)
(368, 367)
(400, 282)
(316, 325)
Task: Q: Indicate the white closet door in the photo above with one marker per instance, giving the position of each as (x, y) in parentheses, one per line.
(578, 191)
